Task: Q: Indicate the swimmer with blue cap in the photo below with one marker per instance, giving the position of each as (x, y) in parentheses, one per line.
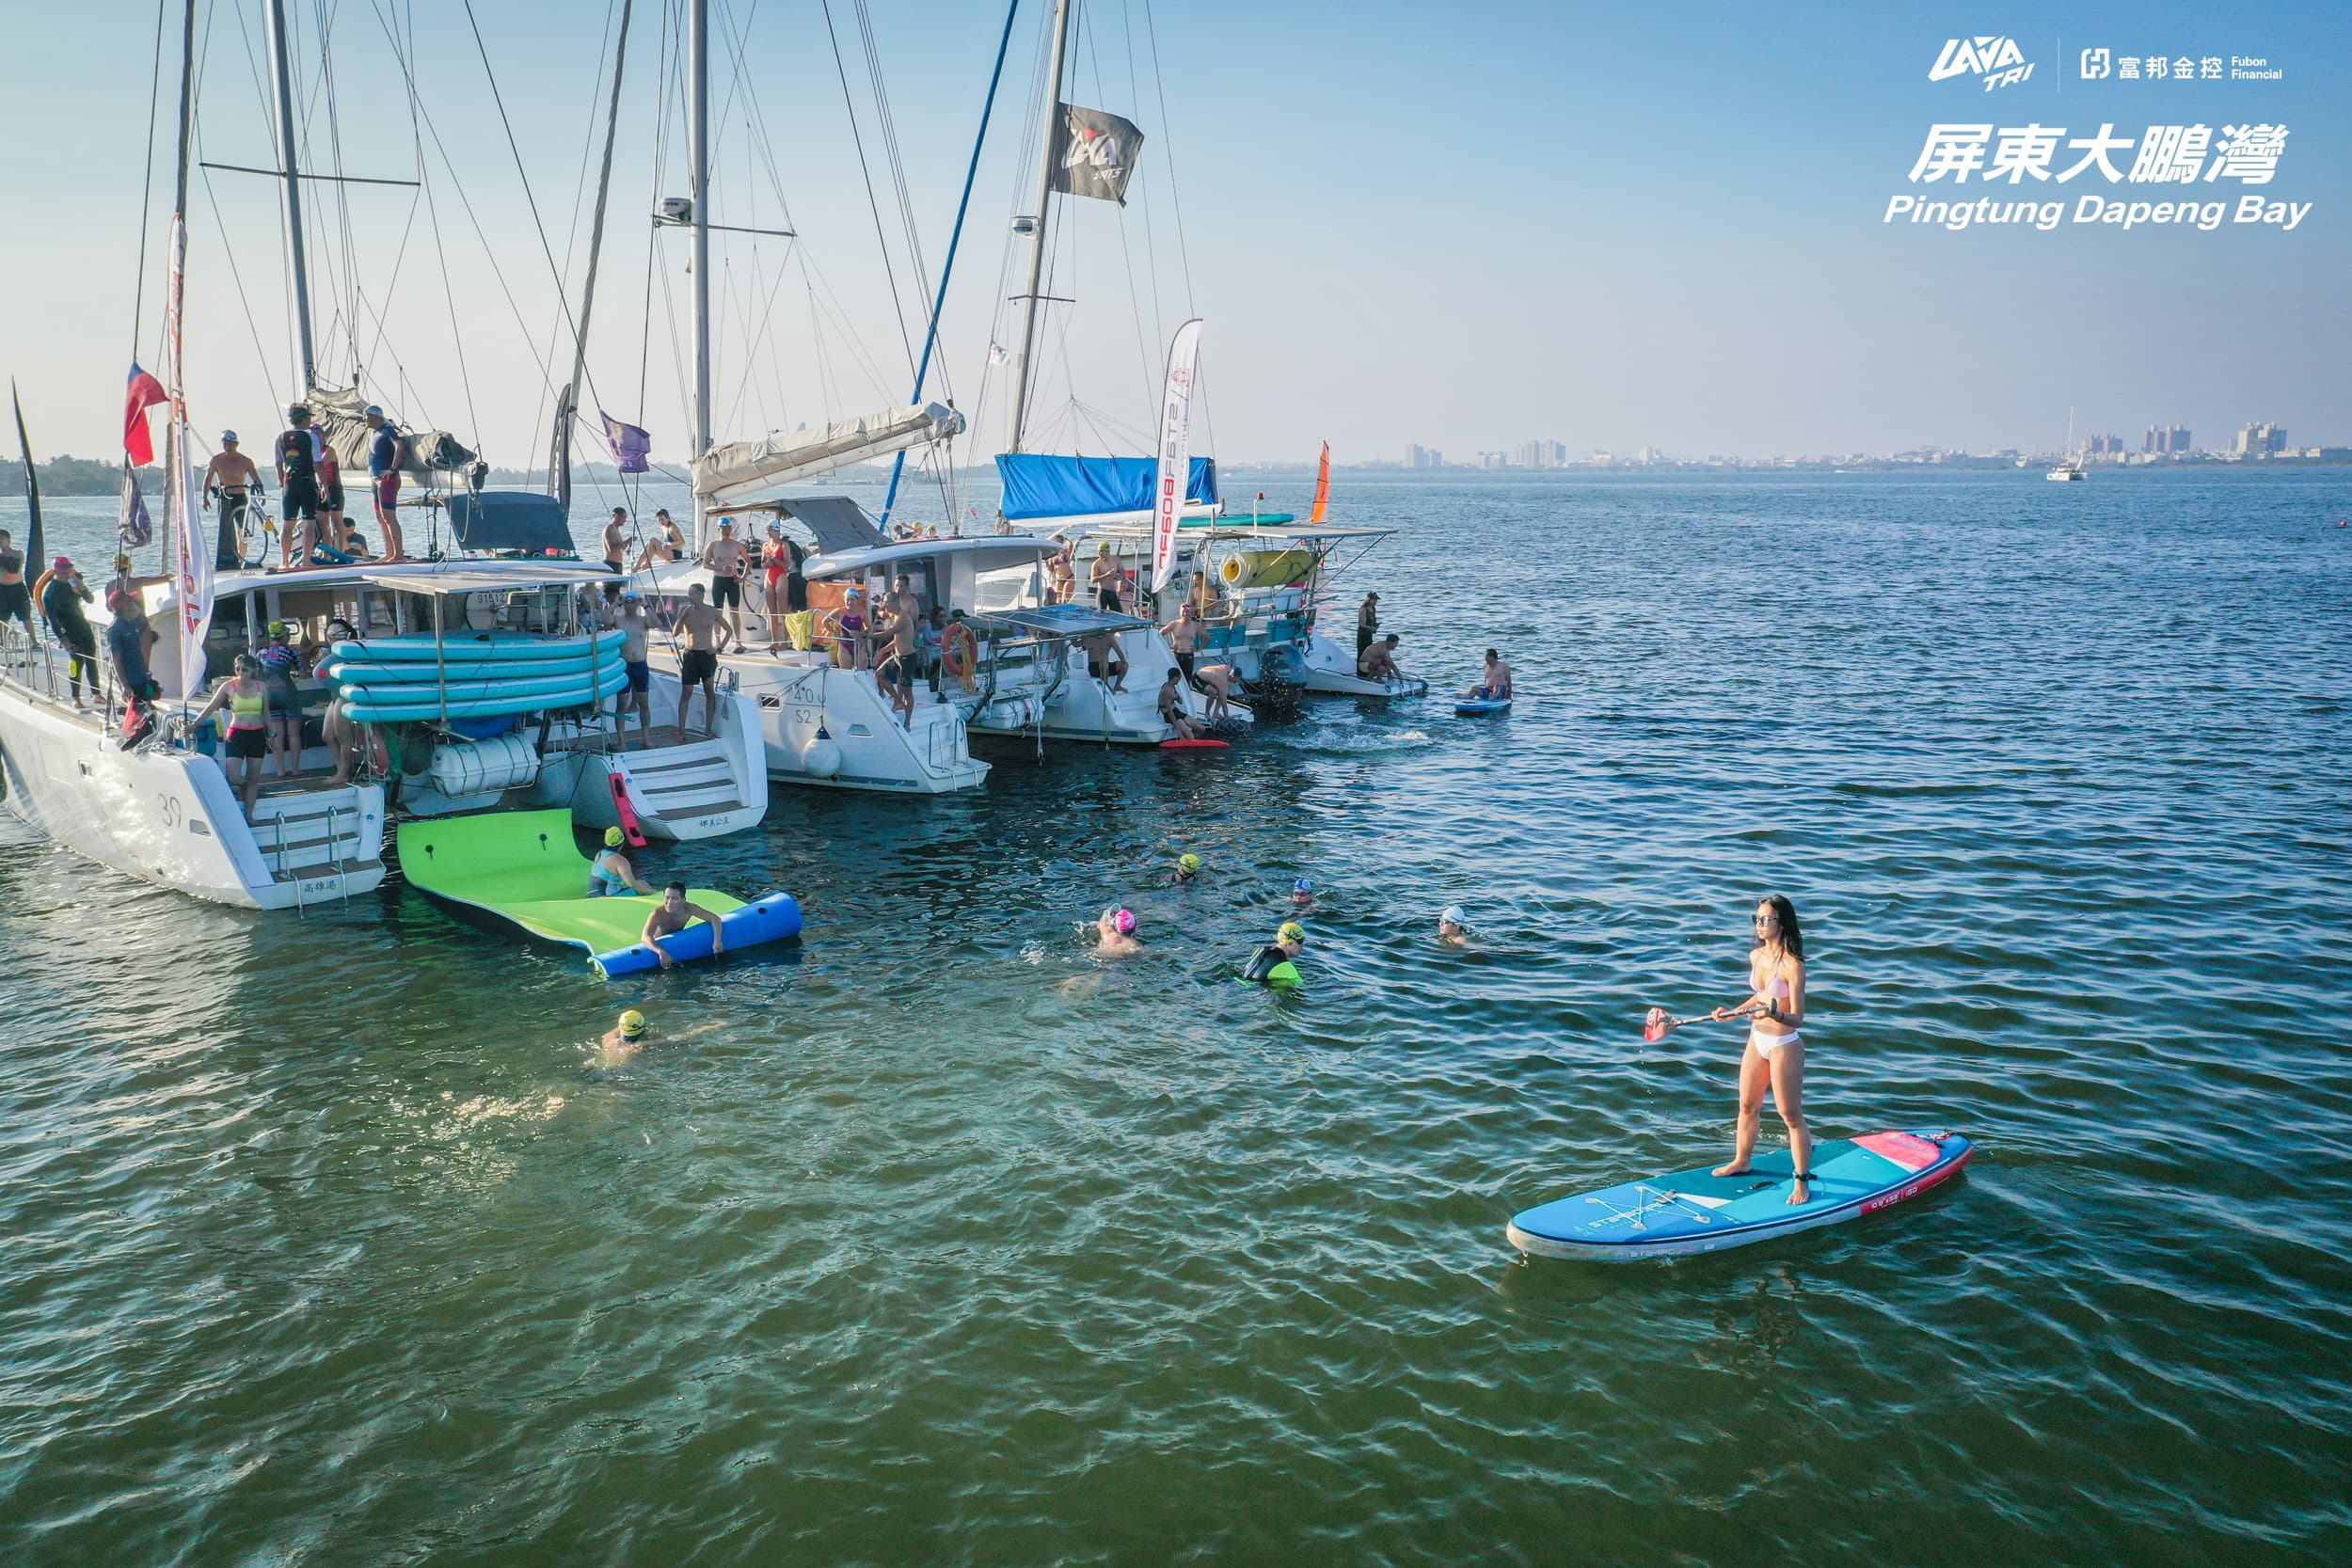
(1303, 893)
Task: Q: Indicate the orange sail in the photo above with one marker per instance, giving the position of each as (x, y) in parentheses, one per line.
(1323, 488)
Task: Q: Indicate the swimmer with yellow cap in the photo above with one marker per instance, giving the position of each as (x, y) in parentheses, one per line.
(626, 1035)
(631, 1034)
(1276, 964)
(611, 875)
(1187, 867)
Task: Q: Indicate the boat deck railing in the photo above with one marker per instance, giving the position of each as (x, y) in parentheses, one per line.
(41, 668)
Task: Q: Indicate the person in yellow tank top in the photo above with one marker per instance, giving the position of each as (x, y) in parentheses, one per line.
(246, 697)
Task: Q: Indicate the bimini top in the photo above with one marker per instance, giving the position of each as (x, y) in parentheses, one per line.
(837, 522)
(993, 553)
(449, 578)
(411, 577)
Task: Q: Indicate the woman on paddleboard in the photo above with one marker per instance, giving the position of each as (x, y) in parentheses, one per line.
(1775, 1053)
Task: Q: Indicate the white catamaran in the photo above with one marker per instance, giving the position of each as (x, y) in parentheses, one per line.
(158, 806)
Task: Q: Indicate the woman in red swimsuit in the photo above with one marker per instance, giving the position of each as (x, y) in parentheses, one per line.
(777, 558)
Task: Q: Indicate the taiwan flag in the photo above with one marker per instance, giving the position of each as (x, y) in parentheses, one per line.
(146, 392)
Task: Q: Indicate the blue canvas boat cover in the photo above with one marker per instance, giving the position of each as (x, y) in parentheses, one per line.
(1037, 485)
(519, 521)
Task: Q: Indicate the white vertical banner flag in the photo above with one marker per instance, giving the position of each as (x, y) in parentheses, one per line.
(1167, 498)
(192, 552)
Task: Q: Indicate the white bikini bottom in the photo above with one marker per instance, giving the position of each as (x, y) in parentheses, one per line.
(1767, 1045)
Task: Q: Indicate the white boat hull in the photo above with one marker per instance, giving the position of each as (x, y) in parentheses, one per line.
(1084, 706)
(170, 818)
(1331, 673)
(699, 788)
(791, 698)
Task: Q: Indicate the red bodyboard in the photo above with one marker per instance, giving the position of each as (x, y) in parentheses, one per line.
(628, 813)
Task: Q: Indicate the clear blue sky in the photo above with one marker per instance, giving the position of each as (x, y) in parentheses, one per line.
(1466, 226)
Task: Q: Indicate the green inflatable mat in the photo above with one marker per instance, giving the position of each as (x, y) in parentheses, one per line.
(524, 867)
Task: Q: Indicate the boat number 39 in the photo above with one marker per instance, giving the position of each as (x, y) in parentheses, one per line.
(172, 811)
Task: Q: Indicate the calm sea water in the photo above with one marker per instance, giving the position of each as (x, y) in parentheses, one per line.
(330, 1240)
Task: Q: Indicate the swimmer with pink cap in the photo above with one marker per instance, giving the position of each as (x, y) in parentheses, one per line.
(1115, 934)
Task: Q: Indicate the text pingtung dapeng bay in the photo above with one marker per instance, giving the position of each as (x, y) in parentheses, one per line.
(2173, 176)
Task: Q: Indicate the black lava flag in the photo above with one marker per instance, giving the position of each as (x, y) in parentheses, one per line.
(1094, 152)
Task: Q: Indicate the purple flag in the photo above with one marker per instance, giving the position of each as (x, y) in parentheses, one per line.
(631, 445)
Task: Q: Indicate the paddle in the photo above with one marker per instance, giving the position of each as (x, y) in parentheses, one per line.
(1659, 1023)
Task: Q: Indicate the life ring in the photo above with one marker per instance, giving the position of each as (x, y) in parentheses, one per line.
(959, 650)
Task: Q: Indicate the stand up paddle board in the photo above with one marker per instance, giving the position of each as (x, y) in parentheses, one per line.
(1203, 745)
(1468, 707)
(1692, 1210)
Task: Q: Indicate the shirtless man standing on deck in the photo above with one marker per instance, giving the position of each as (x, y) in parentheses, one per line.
(706, 637)
(1106, 580)
(725, 558)
(616, 540)
(1183, 637)
(230, 481)
(635, 633)
(901, 617)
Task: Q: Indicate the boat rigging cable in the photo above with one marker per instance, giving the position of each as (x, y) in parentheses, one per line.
(147, 184)
(865, 171)
(930, 336)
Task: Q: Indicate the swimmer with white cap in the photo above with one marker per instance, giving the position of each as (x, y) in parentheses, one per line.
(1451, 927)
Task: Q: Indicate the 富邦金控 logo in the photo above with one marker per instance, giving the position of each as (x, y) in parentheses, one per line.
(1996, 59)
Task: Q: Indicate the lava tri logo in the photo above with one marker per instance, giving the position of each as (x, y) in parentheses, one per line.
(1997, 59)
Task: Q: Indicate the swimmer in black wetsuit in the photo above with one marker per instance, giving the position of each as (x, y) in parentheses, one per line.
(1276, 964)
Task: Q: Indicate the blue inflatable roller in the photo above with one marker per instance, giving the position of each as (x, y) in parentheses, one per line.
(479, 647)
(355, 673)
(770, 917)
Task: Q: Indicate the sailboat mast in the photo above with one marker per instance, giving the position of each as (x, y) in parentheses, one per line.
(1036, 235)
(298, 267)
(559, 460)
(698, 137)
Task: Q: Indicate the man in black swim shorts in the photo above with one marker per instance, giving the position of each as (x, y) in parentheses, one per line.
(298, 452)
(724, 558)
(704, 635)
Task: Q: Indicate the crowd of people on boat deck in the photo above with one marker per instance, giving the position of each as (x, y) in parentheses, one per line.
(315, 527)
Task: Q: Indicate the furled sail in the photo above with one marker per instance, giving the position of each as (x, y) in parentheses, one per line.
(742, 469)
(426, 456)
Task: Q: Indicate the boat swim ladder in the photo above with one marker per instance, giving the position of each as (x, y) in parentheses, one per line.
(280, 868)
